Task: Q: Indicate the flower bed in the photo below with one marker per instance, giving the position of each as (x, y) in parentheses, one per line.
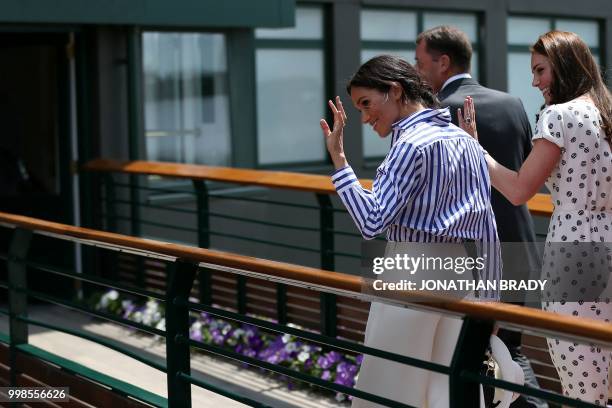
(281, 349)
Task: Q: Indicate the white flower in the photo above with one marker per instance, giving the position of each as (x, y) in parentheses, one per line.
(286, 338)
(113, 295)
(197, 325)
(152, 305)
(161, 325)
(146, 319)
(137, 317)
(126, 304)
(291, 347)
(103, 304)
(303, 356)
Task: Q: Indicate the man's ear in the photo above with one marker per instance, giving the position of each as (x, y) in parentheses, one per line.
(445, 63)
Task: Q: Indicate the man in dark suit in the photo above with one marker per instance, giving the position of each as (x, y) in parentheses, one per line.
(443, 56)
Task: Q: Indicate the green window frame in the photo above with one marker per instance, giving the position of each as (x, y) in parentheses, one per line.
(519, 51)
(375, 148)
(294, 41)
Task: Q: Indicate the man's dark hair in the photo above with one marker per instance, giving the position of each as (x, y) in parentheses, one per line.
(451, 41)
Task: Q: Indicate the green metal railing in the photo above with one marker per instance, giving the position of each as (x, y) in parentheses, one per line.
(322, 230)
(203, 214)
(325, 211)
(183, 264)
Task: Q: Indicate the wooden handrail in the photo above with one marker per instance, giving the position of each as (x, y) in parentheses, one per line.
(517, 315)
(538, 205)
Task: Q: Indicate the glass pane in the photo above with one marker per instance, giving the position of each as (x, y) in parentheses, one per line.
(308, 26)
(526, 30)
(405, 54)
(474, 65)
(290, 103)
(587, 30)
(388, 25)
(374, 145)
(519, 83)
(465, 22)
(186, 98)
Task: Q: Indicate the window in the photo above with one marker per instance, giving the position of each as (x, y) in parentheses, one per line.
(522, 33)
(186, 98)
(291, 91)
(391, 31)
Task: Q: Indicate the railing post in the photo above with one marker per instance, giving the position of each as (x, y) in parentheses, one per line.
(18, 300)
(110, 197)
(281, 303)
(180, 276)
(327, 300)
(109, 203)
(468, 356)
(203, 209)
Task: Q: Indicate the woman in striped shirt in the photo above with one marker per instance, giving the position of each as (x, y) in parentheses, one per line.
(432, 187)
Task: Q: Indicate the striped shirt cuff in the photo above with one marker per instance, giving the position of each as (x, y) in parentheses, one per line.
(343, 178)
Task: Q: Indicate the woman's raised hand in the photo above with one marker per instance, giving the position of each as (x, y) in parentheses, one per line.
(334, 139)
(467, 118)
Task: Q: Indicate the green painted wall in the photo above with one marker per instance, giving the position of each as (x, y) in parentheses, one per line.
(175, 13)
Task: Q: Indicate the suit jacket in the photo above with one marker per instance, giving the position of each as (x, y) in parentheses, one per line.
(504, 132)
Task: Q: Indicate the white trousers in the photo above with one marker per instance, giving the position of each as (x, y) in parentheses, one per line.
(427, 336)
(423, 335)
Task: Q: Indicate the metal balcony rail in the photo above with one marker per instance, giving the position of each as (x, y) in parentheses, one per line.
(124, 200)
(183, 263)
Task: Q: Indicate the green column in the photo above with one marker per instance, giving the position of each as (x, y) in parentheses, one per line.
(469, 355)
(327, 300)
(203, 210)
(180, 277)
(18, 300)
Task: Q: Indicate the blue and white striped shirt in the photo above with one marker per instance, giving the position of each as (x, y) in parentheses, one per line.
(433, 186)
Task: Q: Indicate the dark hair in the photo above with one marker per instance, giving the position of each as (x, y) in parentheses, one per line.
(450, 41)
(575, 73)
(380, 72)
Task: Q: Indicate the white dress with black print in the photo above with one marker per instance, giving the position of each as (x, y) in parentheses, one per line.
(578, 256)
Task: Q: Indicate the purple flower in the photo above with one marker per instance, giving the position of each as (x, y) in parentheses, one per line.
(343, 378)
(345, 374)
(217, 337)
(255, 342)
(195, 335)
(129, 308)
(334, 356)
(248, 340)
(324, 362)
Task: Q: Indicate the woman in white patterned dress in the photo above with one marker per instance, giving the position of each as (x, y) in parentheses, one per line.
(572, 154)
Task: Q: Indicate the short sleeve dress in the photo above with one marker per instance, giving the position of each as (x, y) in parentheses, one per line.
(577, 259)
